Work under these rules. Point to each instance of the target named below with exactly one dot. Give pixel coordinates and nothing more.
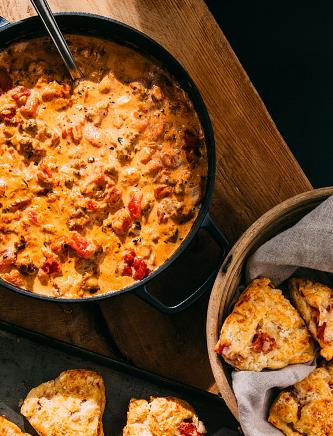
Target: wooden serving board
(255, 171)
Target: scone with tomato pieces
(307, 407)
(72, 405)
(8, 428)
(264, 331)
(162, 416)
(314, 301)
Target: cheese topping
(100, 181)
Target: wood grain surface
(255, 171)
(80, 325)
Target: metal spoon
(45, 13)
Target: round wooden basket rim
(231, 264)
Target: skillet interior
(101, 27)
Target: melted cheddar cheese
(100, 180)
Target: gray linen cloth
(308, 244)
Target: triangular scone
(314, 301)
(264, 331)
(71, 405)
(8, 428)
(162, 416)
(306, 408)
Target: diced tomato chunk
(92, 205)
(33, 217)
(188, 429)
(315, 315)
(80, 245)
(263, 343)
(47, 170)
(134, 205)
(6, 82)
(51, 266)
(20, 94)
(45, 175)
(7, 259)
(134, 264)
(141, 269)
(74, 131)
(7, 112)
(129, 257)
(321, 331)
(127, 271)
(320, 328)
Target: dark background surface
(286, 47)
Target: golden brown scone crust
(314, 301)
(8, 428)
(71, 405)
(307, 407)
(161, 416)
(264, 331)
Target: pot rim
(185, 80)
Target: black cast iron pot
(88, 24)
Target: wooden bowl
(231, 275)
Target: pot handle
(221, 240)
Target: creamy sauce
(100, 181)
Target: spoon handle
(45, 13)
